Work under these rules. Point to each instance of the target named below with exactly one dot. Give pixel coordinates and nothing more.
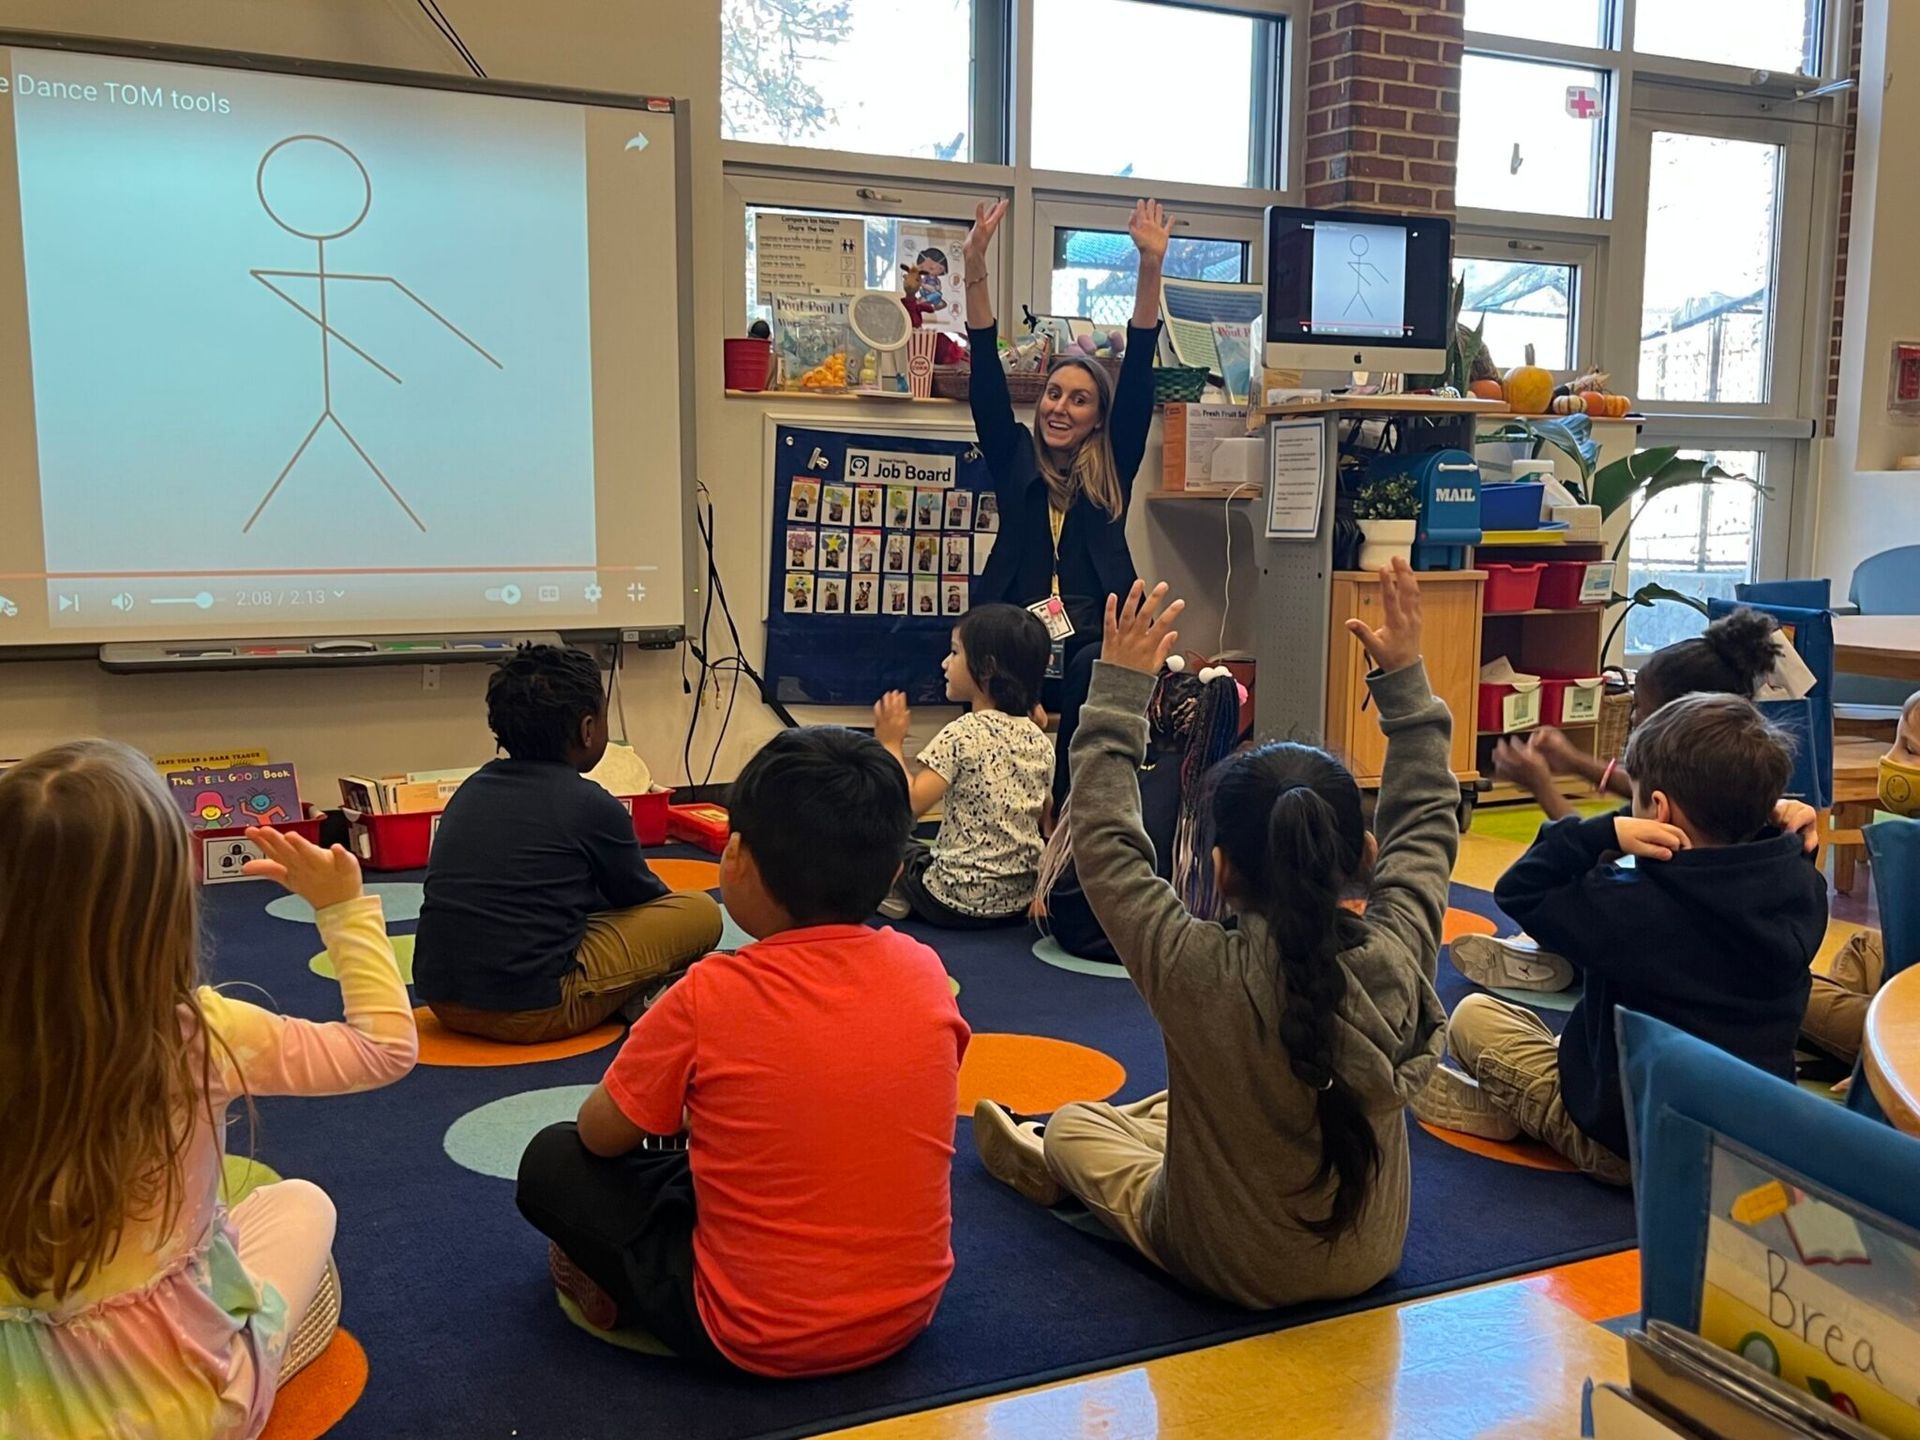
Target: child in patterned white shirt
(993, 767)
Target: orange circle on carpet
(318, 1398)
(1457, 922)
(688, 877)
(1035, 1074)
(441, 1046)
(1525, 1152)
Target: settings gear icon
(593, 592)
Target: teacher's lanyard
(1057, 521)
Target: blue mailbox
(1448, 483)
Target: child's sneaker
(1453, 1100)
(596, 1306)
(1510, 962)
(895, 906)
(1010, 1149)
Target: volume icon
(122, 601)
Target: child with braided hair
(1274, 1168)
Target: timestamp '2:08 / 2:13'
(263, 599)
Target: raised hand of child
(1796, 817)
(1524, 762)
(1649, 839)
(1396, 644)
(319, 877)
(891, 719)
(1554, 747)
(1137, 633)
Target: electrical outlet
(429, 677)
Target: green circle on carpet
(641, 1342)
(1055, 954)
(491, 1139)
(322, 964)
(240, 1176)
(1562, 1000)
(399, 900)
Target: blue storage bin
(1514, 506)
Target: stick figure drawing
(325, 194)
(1365, 273)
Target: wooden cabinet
(1450, 611)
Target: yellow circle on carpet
(318, 1398)
(1457, 922)
(241, 1175)
(322, 964)
(1525, 1151)
(441, 1046)
(689, 877)
(1035, 1074)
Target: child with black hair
(1713, 929)
(1732, 656)
(1273, 1169)
(994, 769)
(804, 1229)
(541, 918)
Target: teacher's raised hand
(987, 216)
(1150, 226)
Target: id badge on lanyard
(1052, 611)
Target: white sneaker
(895, 906)
(1453, 1100)
(1510, 962)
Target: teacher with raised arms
(1063, 486)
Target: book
(209, 759)
(236, 796)
(1618, 1415)
(409, 794)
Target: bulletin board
(876, 542)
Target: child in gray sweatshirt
(1273, 1169)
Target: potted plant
(1387, 509)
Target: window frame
(1585, 256)
(1052, 213)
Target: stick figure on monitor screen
(1359, 245)
(334, 196)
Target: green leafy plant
(1464, 347)
(1387, 497)
(1650, 474)
(1571, 435)
(1647, 596)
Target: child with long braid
(1274, 1167)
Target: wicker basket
(1178, 384)
(1616, 719)
(955, 382)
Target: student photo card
(801, 542)
(836, 505)
(799, 594)
(899, 543)
(835, 546)
(926, 595)
(899, 507)
(986, 512)
(803, 501)
(953, 594)
(866, 595)
(866, 552)
(959, 509)
(982, 550)
(926, 509)
(898, 597)
(832, 596)
(955, 553)
(926, 554)
(869, 503)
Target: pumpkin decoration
(1529, 388)
(1603, 406)
(1487, 390)
(1569, 404)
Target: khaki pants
(1516, 1059)
(1836, 1015)
(1107, 1155)
(622, 951)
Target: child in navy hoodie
(1712, 928)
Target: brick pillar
(1851, 109)
(1383, 104)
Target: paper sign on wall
(818, 254)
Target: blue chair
(1883, 584)
(1799, 594)
(1894, 846)
(1810, 719)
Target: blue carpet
(446, 1288)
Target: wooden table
(1890, 1052)
(1884, 645)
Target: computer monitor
(1351, 290)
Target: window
(887, 77)
(1707, 305)
(1521, 303)
(1093, 58)
(1697, 539)
(1756, 34)
(1569, 22)
(1521, 145)
(1095, 271)
(884, 242)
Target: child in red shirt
(804, 1229)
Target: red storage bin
(702, 824)
(1512, 587)
(1507, 708)
(649, 814)
(219, 854)
(1562, 581)
(393, 842)
(1570, 699)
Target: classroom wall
(383, 719)
(1866, 506)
